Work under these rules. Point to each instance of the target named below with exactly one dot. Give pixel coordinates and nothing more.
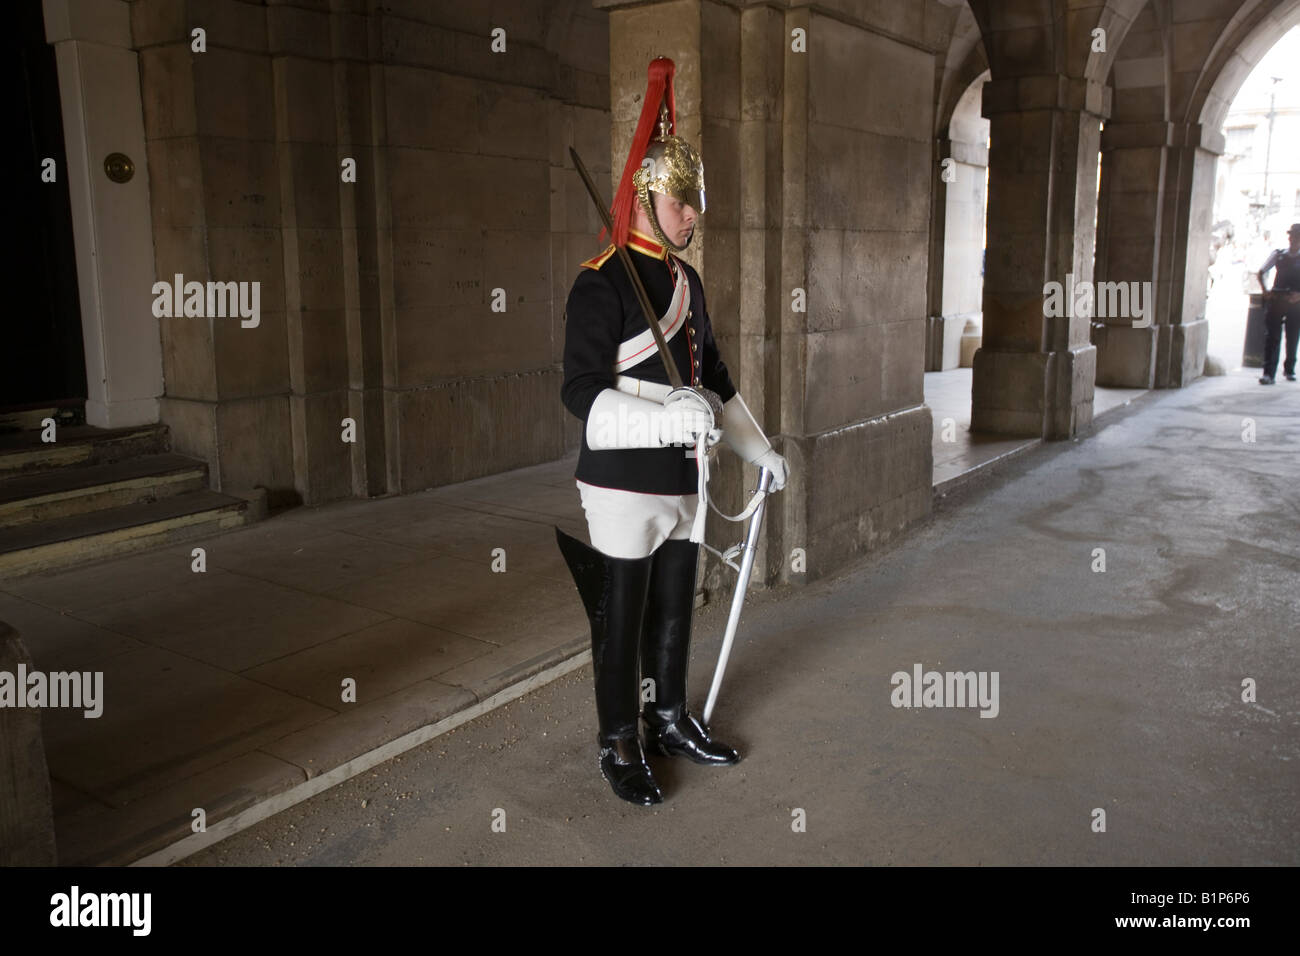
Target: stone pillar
(758, 214)
(322, 315)
(959, 248)
(247, 140)
(26, 803)
(370, 285)
(99, 86)
(1188, 212)
(812, 250)
(1034, 374)
(210, 118)
(730, 113)
(796, 272)
(1129, 245)
(934, 338)
(957, 230)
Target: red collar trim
(644, 244)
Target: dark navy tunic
(1287, 276)
(602, 312)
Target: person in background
(1283, 303)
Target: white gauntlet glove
(619, 420)
(741, 432)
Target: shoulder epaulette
(595, 262)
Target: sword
(674, 377)
(738, 598)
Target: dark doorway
(42, 359)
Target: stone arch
(964, 62)
(1251, 33)
(963, 65)
(1245, 30)
(1039, 37)
(1142, 63)
(961, 210)
(1117, 18)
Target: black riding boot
(665, 652)
(614, 591)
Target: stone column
(321, 280)
(815, 129)
(210, 118)
(956, 250)
(1129, 245)
(26, 801)
(1188, 211)
(246, 140)
(727, 94)
(1034, 374)
(934, 280)
(759, 212)
(99, 86)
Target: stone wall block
(310, 112)
(167, 91)
(432, 344)
(297, 31)
(437, 190)
(438, 267)
(250, 361)
(241, 183)
(233, 95)
(324, 337)
(175, 183)
(327, 469)
(475, 427)
(512, 121)
(266, 462)
(843, 372)
(238, 254)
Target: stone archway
(1161, 150)
(961, 206)
(958, 186)
(1242, 43)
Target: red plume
(660, 84)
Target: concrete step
(63, 492)
(18, 418)
(23, 451)
(64, 542)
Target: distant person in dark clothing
(1283, 303)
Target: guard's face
(676, 218)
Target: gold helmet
(673, 168)
(664, 164)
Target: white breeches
(632, 524)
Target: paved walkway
(959, 452)
(223, 689)
(1119, 691)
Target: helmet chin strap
(647, 203)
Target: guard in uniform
(636, 476)
(1283, 307)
